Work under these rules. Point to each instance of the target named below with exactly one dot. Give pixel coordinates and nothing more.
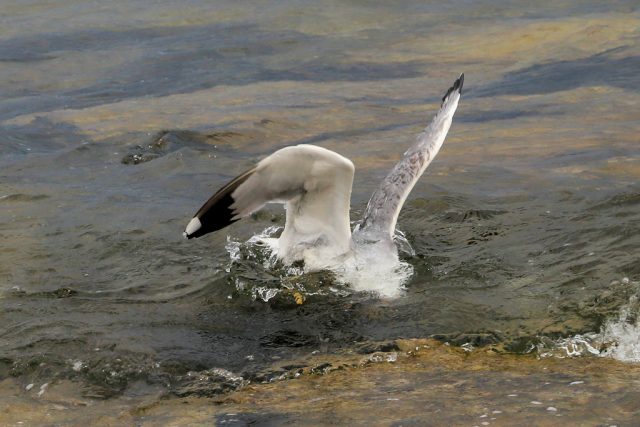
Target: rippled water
(118, 120)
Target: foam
(618, 338)
(370, 267)
(624, 333)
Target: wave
(618, 338)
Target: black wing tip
(459, 83)
(213, 218)
(217, 212)
(193, 235)
(457, 86)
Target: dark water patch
(352, 133)
(287, 338)
(631, 269)
(63, 292)
(194, 71)
(45, 46)
(496, 253)
(174, 60)
(488, 10)
(100, 375)
(222, 39)
(266, 419)
(601, 69)
(204, 324)
(368, 348)
(108, 368)
(19, 105)
(586, 159)
(470, 215)
(25, 57)
(478, 339)
(23, 197)
(167, 141)
(39, 136)
(188, 59)
(495, 115)
(622, 200)
(352, 71)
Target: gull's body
(315, 185)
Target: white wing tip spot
(193, 226)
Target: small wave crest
(624, 332)
(619, 337)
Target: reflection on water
(117, 121)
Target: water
(118, 120)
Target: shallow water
(410, 382)
(119, 120)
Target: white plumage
(315, 185)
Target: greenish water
(118, 120)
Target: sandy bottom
(417, 382)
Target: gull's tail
(385, 203)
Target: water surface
(118, 120)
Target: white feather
(385, 204)
(315, 185)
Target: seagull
(314, 184)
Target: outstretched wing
(317, 179)
(385, 203)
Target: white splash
(228, 375)
(374, 270)
(264, 293)
(624, 333)
(43, 388)
(368, 267)
(575, 346)
(374, 265)
(619, 338)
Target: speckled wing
(385, 203)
